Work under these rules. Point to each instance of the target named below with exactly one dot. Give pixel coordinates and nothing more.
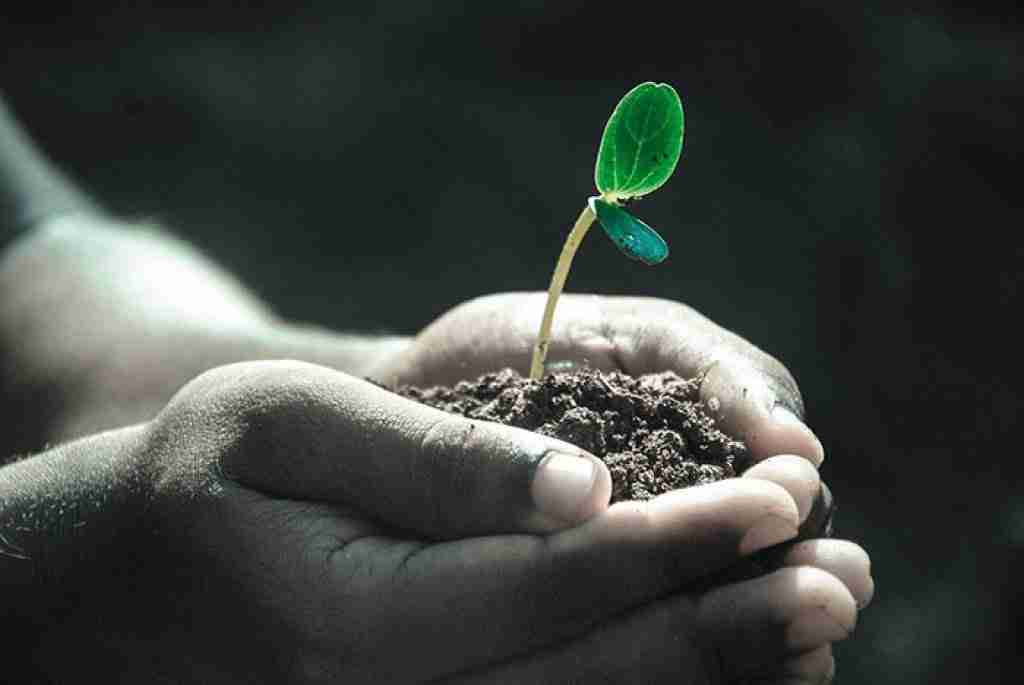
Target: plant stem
(572, 243)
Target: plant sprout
(639, 151)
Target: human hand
(304, 526)
(756, 397)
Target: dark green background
(847, 199)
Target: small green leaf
(636, 239)
(641, 143)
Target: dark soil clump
(653, 431)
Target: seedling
(638, 153)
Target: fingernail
(771, 530)
(814, 628)
(785, 417)
(563, 483)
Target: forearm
(31, 187)
(100, 323)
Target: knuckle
(224, 416)
(782, 384)
(771, 499)
(241, 398)
(816, 588)
(722, 345)
(775, 385)
(447, 433)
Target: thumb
(323, 435)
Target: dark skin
(213, 513)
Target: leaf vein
(639, 140)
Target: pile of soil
(653, 431)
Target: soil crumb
(653, 431)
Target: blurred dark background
(846, 200)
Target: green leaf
(636, 239)
(641, 143)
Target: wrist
(69, 518)
(357, 355)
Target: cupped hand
(754, 396)
(305, 526)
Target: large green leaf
(641, 143)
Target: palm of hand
(328, 594)
(633, 335)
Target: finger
(523, 593)
(818, 523)
(476, 601)
(661, 642)
(746, 405)
(752, 394)
(802, 482)
(313, 433)
(815, 667)
(795, 474)
(782, 614)
(655, 644)
(845, 560)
